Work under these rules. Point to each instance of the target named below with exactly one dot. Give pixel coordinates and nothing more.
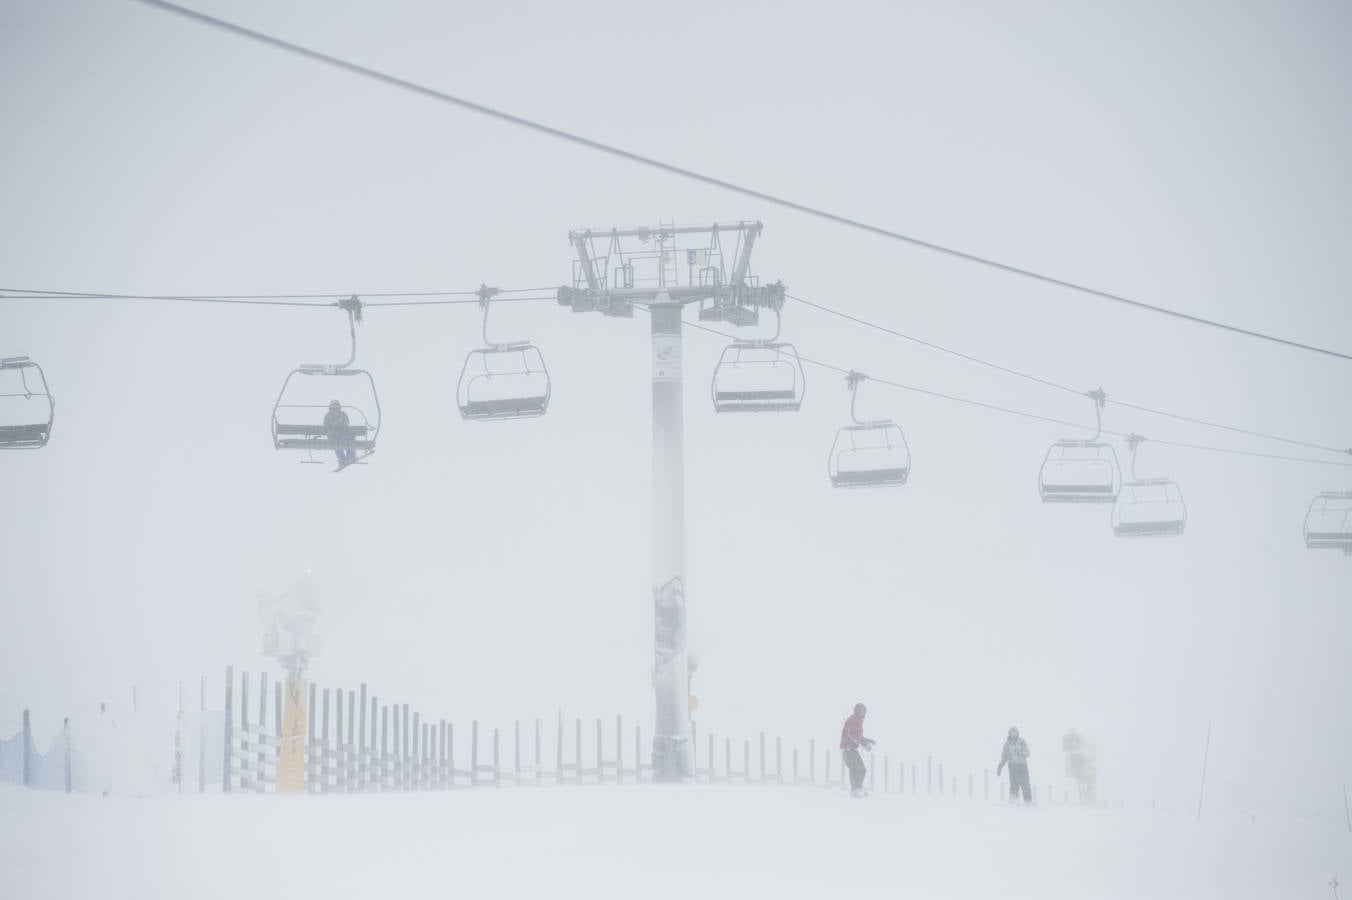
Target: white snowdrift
(643, 842)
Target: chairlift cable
(841, 370)
(451, 298)
(670, 168)
(1058, 386)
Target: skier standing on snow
(851, 739)
(1015, 756)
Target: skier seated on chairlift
(851, 739)
(339, 428)
(1015, 755)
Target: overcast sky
(1190, 155)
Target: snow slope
(643, 842)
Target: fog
(1192, 157)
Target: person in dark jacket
(851, 739)
(1015, 755)
(338, 426)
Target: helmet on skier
(1013, 733)
(860, 709)
(334, 404)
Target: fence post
(353, 754)
(311, 735)
(795, 765)
(395, 768)
(441, 755)
(577, 735)
(244, 725)
(371, 773)
(497, 767)
(65, 730)
(327, 750)
(474, 753)
(413, 751)
(27, 749)
(262, 701)
(202, 739)
(407, 773)
(361, 741)
(178, 741)
(262, 728)
(340, 756)
(913, 791)
(384, 747)
(229, 724)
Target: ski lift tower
(664, 269)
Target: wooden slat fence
(357, 744)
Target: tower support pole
(671, 676)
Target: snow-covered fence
(357, 744)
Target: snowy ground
(643, 842)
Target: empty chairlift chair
(870, 453)
(26, 405)
(502, 381)
(759, 376)
(1148, 507)
(303, 402)
(1081, 471)
(1328, 523)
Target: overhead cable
(1056, 385)
(994, 407)
(670, 168)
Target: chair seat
(317, 430)
(23, 435)
(1148, 529)
(322, 442)
(504, 408)
(869, 477)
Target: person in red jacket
(851, 739)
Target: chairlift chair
(871, 453)
(1148, 507)
(759, 376)
(1328, 522)
(298, 423)
(33, 427)
(1081, 471)
(502, 381)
